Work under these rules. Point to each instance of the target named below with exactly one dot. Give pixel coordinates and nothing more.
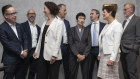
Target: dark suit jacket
(27, 30)
(130, 41)
(11, 44)
(101, 26)
(67, 25)
(80, 46)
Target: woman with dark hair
(80, 44)
(48, 48)
(109, 43)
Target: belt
(65, 44)
(95, 47)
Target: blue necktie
(94, 35)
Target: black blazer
(77, 45)
(27, 30)
(11, 44)
(101, 26)
(130, 41)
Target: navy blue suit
(65, 51)
(30, 61)
(12, 48)
(94, 52)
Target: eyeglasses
(31, 13)
(14, 13)
(126, 9)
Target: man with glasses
(14, 45)
(130, 42)
(32, 31)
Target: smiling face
(81, 20)
(31, 15)
(46, 11)
(10, 15)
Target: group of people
(40, 50)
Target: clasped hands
(80, 57)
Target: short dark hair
(97, 12)
(52, 7)
(110, 8)
(4, 8)
(60, 5)
(80, 14)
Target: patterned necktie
(94, 35)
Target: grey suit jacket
(130, 40)
(80, 46)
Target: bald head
(31, 15)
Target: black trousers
(45, 70)
(65, 58)
(94, 54)
(128, 61)
(15, 70)
(74, 66)
(31, 64)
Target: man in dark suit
(130, 42)
(64, 46)
(80, 44)
(95, 32)
(32, 31)
(14, 45)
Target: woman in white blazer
(48, 48)
(109, 43)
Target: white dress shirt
(34, 34)
(97, 31)
(127, 21)
(65, 39)
(13, 28)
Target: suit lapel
(51, 25)
(129, 24)
(77, 31)
(10, 30)
(28, 29)
(18, 31)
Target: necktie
(94, 35)
(124, 23)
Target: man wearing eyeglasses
(130, 42)
(32, 31)
(14, 45)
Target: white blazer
(109, 39)
(52, 42)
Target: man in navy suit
(64, 46)
(96, 27)
(14, 45)
(32, 31)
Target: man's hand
(80, 57)
(24, 54)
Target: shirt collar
(59, 18)
(97, 22)
(31, 23)
(130, 17)
(10, 24)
